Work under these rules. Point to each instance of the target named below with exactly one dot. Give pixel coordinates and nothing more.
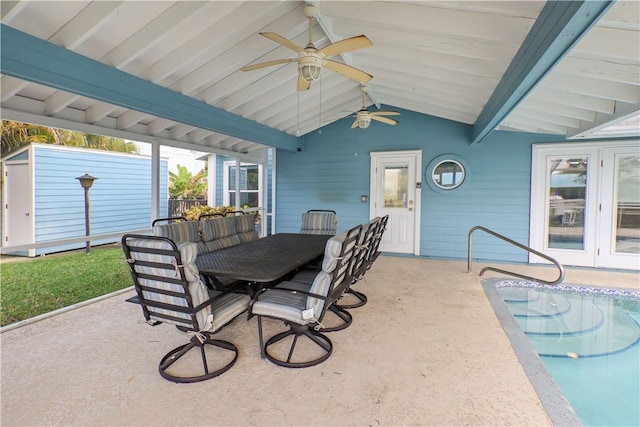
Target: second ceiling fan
(311, 60)
(364, 116)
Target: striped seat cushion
(319, 223)
(179, 232)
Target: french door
(393, 191)
(585, 204)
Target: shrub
(194, 213)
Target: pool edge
(558, 408)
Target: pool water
(589, 340)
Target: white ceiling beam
(129, 119)
(465, 47)
(180, 130)
(622, 111)
(431, 20)
(233, 58)
(226, 34)
(85, 24)
(195, 46)
(437, 110)
(525, 113)
(563, 97)
(11, 9)
(427, 73)
(536, 126)
(158, 125)
(9, 86)
(154, 33)
(197, 135)
(98, 111)
(610, 43)
(611, 70)
(58, 102)
(550, 106)
(594, 87)
(463, 109)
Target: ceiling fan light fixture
(364, 122)
(310, 67)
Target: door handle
(410, 209)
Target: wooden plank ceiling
(442, 58)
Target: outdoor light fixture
(364, 198)
(86, 181)
(310, 67)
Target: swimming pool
(587, 338)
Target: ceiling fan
(364, 116)
(311, 60)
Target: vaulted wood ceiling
(442, 58)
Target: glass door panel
(567, 195)
(396, 185)
(627, 204)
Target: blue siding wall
(120, 199)
(332, 172)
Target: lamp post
(86, 181)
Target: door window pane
(396, 184)
(627, 226)
(567, 191)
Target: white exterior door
(18, 206)
(394, 177)
(585, 204)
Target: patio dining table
(264, 260)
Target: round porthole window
(448, 174)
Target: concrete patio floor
(427, 349)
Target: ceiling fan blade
(354, 125)
(346, 45)
(303, 84)
(384, 120)
(267, 64)
(384, 113)
(283, 41)
(348, 71)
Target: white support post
(155, 181)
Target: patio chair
(360, 262)
(169, 290)
(319, 221)
(303, 308)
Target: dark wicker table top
(263, 260)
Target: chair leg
(299, 331)
(342, 314)
(361, 300)
(177, 353)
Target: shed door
(18, 195)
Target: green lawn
(44, 284)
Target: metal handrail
(521, 246)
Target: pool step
(571, 325)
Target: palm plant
(183, 184)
